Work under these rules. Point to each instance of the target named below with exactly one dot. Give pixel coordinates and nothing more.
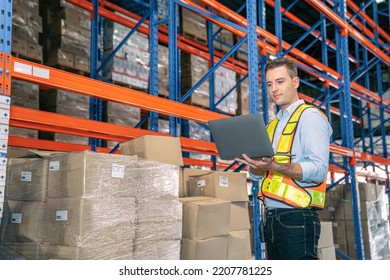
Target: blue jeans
(292, 234)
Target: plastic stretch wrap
(27, 179)
(89, 174)
(89, 221)
(100, 206)
(159, 213)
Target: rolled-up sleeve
(315, 132)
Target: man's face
(281, 87)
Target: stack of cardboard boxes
(91, 206)
(373, 217)
(215, 217)
(66, 35)
(26, 28)
(65, 103)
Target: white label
(4, 129)
(16, 218)
(3, 145)
(41, 72)
(22, 68)
(2, 190)
(5, 102)
(3, 163)
(1, 209)
(62, 215)
(224, 181)
(201, 183)
(118, 171)
(25, 176)
(4, 116)
(54, 165)
(2, 177)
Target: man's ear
(296, 82)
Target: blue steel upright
(347, 110)
(153, 60)
(253, 74)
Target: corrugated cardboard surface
(158, 148)
(223, 185)
(214, 248)
(203, 219)
(239, 246)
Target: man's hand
(264, 163)
(260, 166)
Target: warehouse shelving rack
(338, 84)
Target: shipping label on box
(54, 165)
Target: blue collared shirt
(310, 147)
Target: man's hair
(278, 62)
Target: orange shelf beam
(44, 75)
(356, 9)
(47, 121)
(332, 16)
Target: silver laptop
(239, 135)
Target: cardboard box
(239, 216)
(89, 174)
(89, 221)
(186, 173)
(121, 250)
(327, 253)
(214, 248)
(25, 221)
(19, 250)
(27, 179)
(203, 219)
(223, 185)
(239, 245)
(326, 236)
(163, 149)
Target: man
(293, 182)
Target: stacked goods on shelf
(215, 217)
(243, 108)
(193, 69)
(130, 64)
(225, 80)
(223, 39)
(373, 215)
(24, 94)
(66, 35)
(91, 206)
(26, 27)
(65, 103)
(193, 25)
(120, 114)
(198, 132)
(163, 71)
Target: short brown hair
(278, 62)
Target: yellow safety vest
(280, 187)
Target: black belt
(276, 211)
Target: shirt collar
(290, 109)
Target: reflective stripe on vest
(280, 187)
